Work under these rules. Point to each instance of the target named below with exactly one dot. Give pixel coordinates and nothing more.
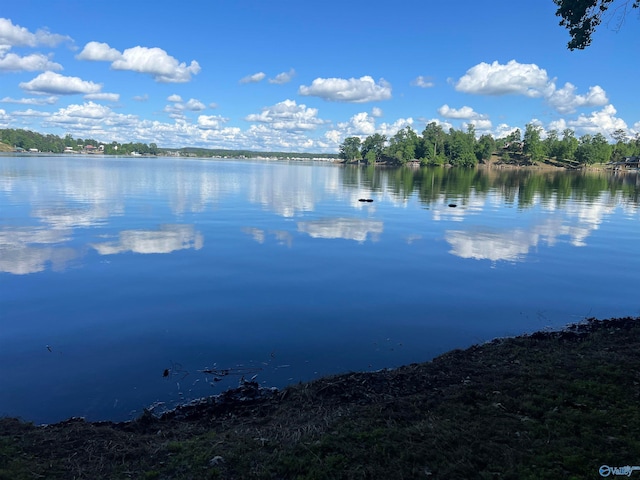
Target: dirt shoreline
(553, 404)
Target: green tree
(485, 146)
(350, 149)
(533, 146)
(433, 139)
(402, 146)
(552, 144)
(460, 148)
(582, 17)
(373, 143)
(568, 145)
(593, 149)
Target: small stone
(217, 460)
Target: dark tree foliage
(582, 17)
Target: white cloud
(31, 101)
(355, 90)
(194, 105)
(17, 36)
(461, 113)
(106, 97)
(157, 63)
(498, 79)
(141, 98)
(603, 121)
(87, 110)
(152, 61)
(30, 63)
(390, 129)
(255, 78)
(529, 80)
(503, 130)
(54, 83)
(30, 113)
(174, 98)
(423, 82)
(211, 121)
(284, 77)
(444, 124)
(361, 124)
(287, 115)
(99, 52)
(565, 99)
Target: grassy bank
(548, 405)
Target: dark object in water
(453, 205)
(365, 199)
(165, 373)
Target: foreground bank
(547, 405)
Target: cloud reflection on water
(347, 228)
(167, 239)
(26, 250)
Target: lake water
(123, 281)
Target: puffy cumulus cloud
(566, 100)
(603, 121)
(88, 110)
(360, 125)
(97, 121)
(156, 62)
(54, 83)
(465, 112)
(481, 125)
(255, 78)
(390, 129)
(376, 112)
(31, 101)
(282, 78)
(30, 63)
(194, 105)
(105, 97)
(443, 123)
(99, 52)
(179, 106)
(422, 82)
(498, 79)
(288, 115)
(211, 121)
(353, 90)
(152, 61)
(503, 130)
(529, 80)
(17, 36)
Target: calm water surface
(121, 280)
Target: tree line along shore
(434, 146)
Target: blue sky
(302, 76)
